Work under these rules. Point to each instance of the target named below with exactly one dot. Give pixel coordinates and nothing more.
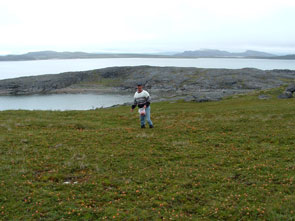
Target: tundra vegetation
(226, 160)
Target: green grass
(227, 160)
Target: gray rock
(200, 100)
(264, 97)
(189, 98)
(285, 95)
(291, 88)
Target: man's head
(139, 88)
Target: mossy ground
(227, 160)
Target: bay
(61, 101)
(13, 69)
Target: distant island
(207, 53)
(290, 56)
(219, 53)
(47, 55)
(211, 53)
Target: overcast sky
(146, 26)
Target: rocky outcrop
(291, 88)
(42, 84)
(163, 82)
(264, 97)
(285, 95)
(288, 93)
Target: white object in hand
(141, 111)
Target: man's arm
(148, 101)
(134, 104)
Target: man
(142, 100)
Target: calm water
(61, 101)
(14, 69)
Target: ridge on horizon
(223, 53)
(171, 52)
(206, 53)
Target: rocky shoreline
(164, 83)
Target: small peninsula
(199, 84)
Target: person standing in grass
(142, 99)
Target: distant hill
(207, 53)
(290, 56)
(219, 53)
(45, 55)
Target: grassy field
(227, 160)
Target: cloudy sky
(146, 26)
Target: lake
(61, 101)
(12, 69)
